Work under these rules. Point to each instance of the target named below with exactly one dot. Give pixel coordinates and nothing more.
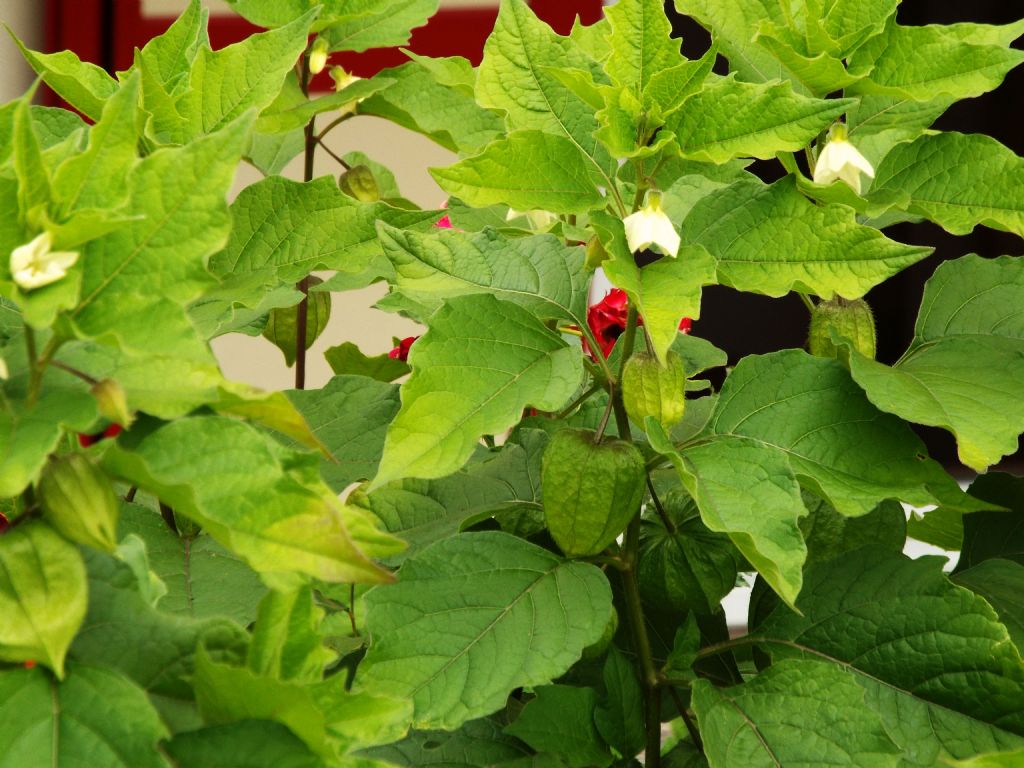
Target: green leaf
(964, 369)
(42, 595)
(96, 178)
(227, 83)
(539, 273)
(797, 712)
(994, 534)
(528, 170)
(685, 567)
(286, 642)
(830, 534)
(923, 63)
(747, 490)
(1001, 583)
(560, 720)
(29, 433)
(507, 590)
(514, 77)
(482, 361)
(991, 760)
(281, 121)
(123, 631)
(734, 24)
(505, 485)
(770, 239)
(348, 359)
(262, 501)
(477, 743)
(203, 579)
(866, 611)
(878, 123)
(805, 407)
(245, 744)
(169, 57)
(275, 13)
(663, 292)
(356, 441)
(620, 718)
(176, 226)
(641, 47)
(83, 85)
(376, 23)
(958, 181)
(730, 118)
(282, 230)
(95, 717)
(326, 717)
(418, 101)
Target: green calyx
(282, 322)
(78, 500)
(650, 389)
(851, 320)
(358, 182)
(590, 490)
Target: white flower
(841, 160)
(318, 56)
(34, 265)
(651, 228)
(343, 79)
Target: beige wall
(255, 360)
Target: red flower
(86, 440)
(401, 352)
(5, 523)
(444, 222)
(607, 320)
(29, 664)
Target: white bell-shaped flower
(34, 265)
(841, 160)
(650, 227)
(318, 56)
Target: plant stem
(302, 313)
(631, 588)
(669, 525)
(330, 152)
(75, 372)
(806, 300)
(578, 401)
(333, 124)
(352, 609)
(691, 727)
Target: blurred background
(106, 32)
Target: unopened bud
(111, 402)
(318, 56)
(78, 500)
(358, 182)
(849, 319)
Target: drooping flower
(650, 227)
(343, 79)
(34, 264)
(401, 352)
(841, 160)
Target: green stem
(628, 339)
(579, 401)
(807, 301)
(330, 152)
(669, 526)
(691, 727)
(75, 372)
(595, 348)
(333, 124)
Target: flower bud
(850, 319)
(650, 389)
(358, 182)
(78, 500)
(111, 402)
(318, 56)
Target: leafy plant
(517, 555)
